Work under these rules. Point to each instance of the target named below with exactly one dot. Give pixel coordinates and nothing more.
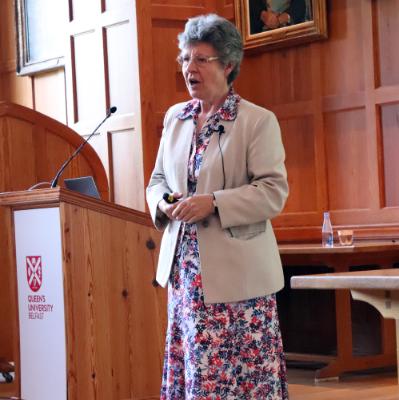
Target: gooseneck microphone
(79, 149)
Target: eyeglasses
(198, 60)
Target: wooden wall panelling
(17, 89)
(102, 71)
(342, 60)
(49, 94)
(225, 8)
(322, 194)
(278, 80)
(348, 167)
(150, 136)
(390, 145)
(299, 137)
(166, 72)
(305, 144)
(387, 96)
(386, 15)
(349, 92)
(175, 11)
(373, 137)
(7, 48)
(341, 97)
(344, 129)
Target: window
(41, 27)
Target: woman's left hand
(193, 209)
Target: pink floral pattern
(225, 350)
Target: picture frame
(40, 29)
(272, 24)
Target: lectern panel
(41, 304)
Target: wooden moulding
(52, 197)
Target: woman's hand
(168, 208)
(284, 19)
(270, 19)
(193, 209)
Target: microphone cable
(220, 133)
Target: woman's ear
(227, 69)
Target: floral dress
(225, 350)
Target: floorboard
(375, 385)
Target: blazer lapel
(182, 147)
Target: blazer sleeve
(157, 185)
(265, 195)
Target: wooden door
(102, 71)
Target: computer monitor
(84, 185)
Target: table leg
(343, 318)
(387, 303)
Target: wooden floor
(370, 386)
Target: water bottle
(327, 236)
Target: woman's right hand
(167, 208)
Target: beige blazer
(238, 250)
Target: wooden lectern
(32, 148)
(91, 324)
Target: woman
(222, 158)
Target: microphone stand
(78, 150)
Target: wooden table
(380, 288)
(381, 254)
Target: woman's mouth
(193, 82)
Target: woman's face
(205, 76)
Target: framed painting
(269, 24)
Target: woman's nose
(191, 65)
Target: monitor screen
(84, 185)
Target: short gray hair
(218, 32)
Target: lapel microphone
(78, 150)
(221, 130)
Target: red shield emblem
(34, 272)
